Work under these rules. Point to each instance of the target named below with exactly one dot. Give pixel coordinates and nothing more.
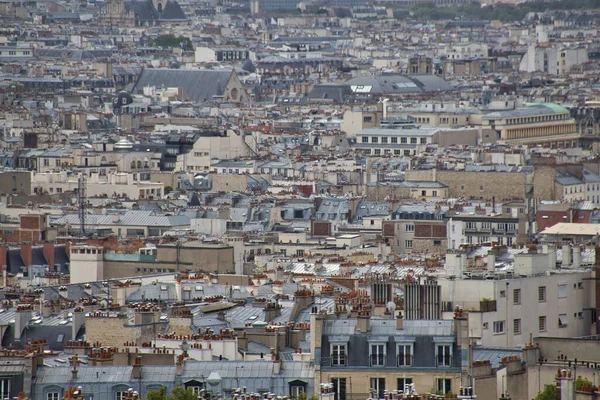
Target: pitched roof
(200, 85)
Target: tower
(87, 264)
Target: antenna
(81, 198)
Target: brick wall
(110, 331)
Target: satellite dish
(391, 306)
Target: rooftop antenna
(81, 198)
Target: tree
(549, 393)
(178, 393)
(168, 189)
(170, 41)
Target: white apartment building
(113, 183)
(405, 141)
(535, 299)
(556, 60)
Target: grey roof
(199, 85)
(567, 179)
(494, 354)
(129, 218)
(530, 111)
(398, 84)
(387, 327)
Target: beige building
(547, 124)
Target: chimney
(491, 261)
(576, 256)
(75, 364)
(566, 256)
(276, 366)
(78, 322)
(26, 253)
(552, 255)
(49, 253)
(136, 372)
(363, 321)
(22, 317)
(3, 254)
(316, 327)
(400, 321)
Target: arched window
(139, 164)
(159, 7)
(132, 164)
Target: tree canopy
(170, 40)
(178, 393)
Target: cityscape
(299, 200)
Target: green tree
(170, 41)
(168, 189)
(549, 393)
(178, 393)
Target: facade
(364, 357)
(408, 140)
(549, 125)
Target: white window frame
(541, 294)
(405, 362)
(120, 395)
(341, 358)
(296, 390)
(441, 385)
(542, 327)
(562, 289)
(408, 244)
(517, 326)
(499, 327)
(446, 351)
(374, 387)
(53, 396)
(377, 349)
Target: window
(498, 326)
(434, 193)
(403, 140)
(541, 294)
(296, 390)
(413, 140)
(517, 326)
(384, 140)
(444, 355)
(409, 228)
(338, 354)
(404, 356)
(377, 355)
(394, 140)
(120, 395)
(423, 192)
(562, 320)
(377, 151)
(377, 388)
(517, 296)
(542, 323)
(374, 139)
(471, 225)
(339, 388)
(367, 119)
(562, 291)
(365, 139)
(437, 242)
(404, 385)
(408, 244)
(53, 396)
(444, 385)
(423, 140)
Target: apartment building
(503, 228)
(407, 140)
(533, 298)
(365, 357)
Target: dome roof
(123, 144)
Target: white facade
(552, 305)
(98, 185)
(205, 55)
(553, 60)
(86, 264)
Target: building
(407, 140)
(363, 356)
(546, 124)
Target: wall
(15, 182)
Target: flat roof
(567, 228)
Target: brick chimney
(49, 253)
(26, 253)
(3, 255)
